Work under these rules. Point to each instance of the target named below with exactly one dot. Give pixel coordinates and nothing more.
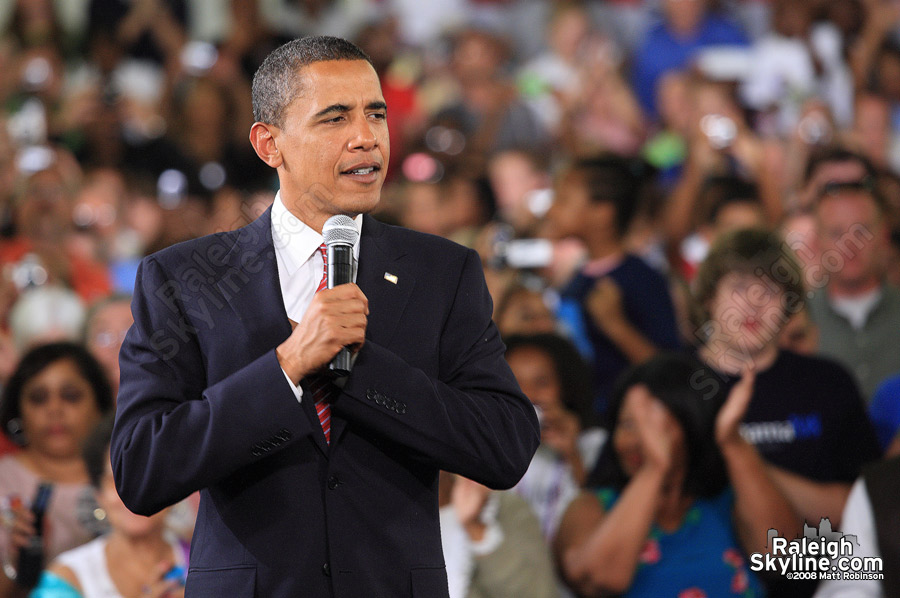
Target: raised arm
(812, 500)
(759, 504)
(604, 305)
(598, 551)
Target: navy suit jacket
(204, 405)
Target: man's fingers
(339, 321)
(344, 293)
(336, 318)
(346, 307)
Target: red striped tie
(320, 385)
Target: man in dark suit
(212, 371)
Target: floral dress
(701, 559)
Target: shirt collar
(602, 266)
(294, 241)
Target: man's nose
(365, 138)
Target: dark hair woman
(56, 396)
(683, 496)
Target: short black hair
(668, 377)
(573, 373)
(95, 451)
(38, 359)
(837, 154)
(277, 82)
(867, 186)
(626, 183)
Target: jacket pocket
(215, 583)
(429, 583)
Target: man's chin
(362, 205)
(861, 282)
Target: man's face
(852, 239)
(334, 142)
(45, 210)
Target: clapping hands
(732, 412)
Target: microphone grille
(340, 230)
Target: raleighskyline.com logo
(818, 554)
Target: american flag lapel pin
(391, 278)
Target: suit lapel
(249, 283)
(386, 282)
(251, 286)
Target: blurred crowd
(688, 213)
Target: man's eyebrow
(332, 109)
(341, 108)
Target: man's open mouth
(362, 170)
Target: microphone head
(340, 230)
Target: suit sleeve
(173, 434)
(471, 419)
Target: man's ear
(262, 138)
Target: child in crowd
(617, 308)
(806, 417)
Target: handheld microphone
(340, 235)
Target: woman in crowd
(137, 558)
(553, 375)
(54, 399)
(681, 497)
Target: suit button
(333, 482)
(326, 570)
(371, 394)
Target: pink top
(69, 522)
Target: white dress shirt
(300, 263)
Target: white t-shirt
(88, 563)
